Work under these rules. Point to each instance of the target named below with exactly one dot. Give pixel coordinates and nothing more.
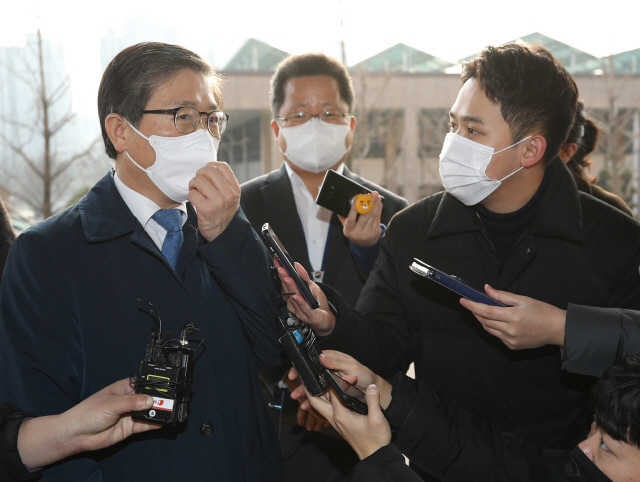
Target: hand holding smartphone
(277, 248)
(338, 192)
(352, 396)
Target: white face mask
(177, 160)
(315, 146)
(463, 166)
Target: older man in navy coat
(70, 323)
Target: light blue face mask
(463, 168)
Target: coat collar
(106, 216)
(559, 213)
(104, 213)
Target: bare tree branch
(24, 193)
(60, 123)
(20, 151)
(63, 166)
(59, 92)
(14, 122)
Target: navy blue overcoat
(70, 325)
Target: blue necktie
(171, 220)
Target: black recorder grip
(303, 351)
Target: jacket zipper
(495, 251)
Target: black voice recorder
(166, 374)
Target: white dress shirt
(315, 221)
(143, 208)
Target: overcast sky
(449, 30)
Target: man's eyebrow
(469, 118)
(188, 103)
(304, 104)
(477, 120)
(611, 442)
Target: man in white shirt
(312, 102)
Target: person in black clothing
(580, 144)
(512, 217)
(456, 445)
(7, 235)
(312, 102)
(103, 419)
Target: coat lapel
(285, 222)
(105, 216)
(338, 248)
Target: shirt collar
(141, 206)
(297, 182)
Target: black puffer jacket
(11, 467)
(598, 338)
(576, 249)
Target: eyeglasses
(299, 118)
(187, 119)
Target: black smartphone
(337, 193)
(285, 259)
(351, 395)
(453, 283)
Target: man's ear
(534, 152)
(115, 125)
(352, 123)
(275, 128)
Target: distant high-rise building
(26, 77)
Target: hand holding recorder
(298, 339)
(99, 421)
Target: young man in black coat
(512, 217)
(311, 100)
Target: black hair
(133, 76)
(616, 401)
(309, 65)
(534, 91)
(583, 134)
